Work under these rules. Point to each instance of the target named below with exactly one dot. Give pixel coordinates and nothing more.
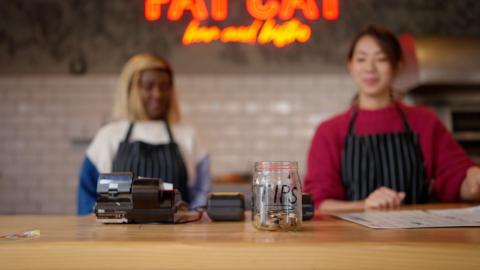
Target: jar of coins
(277, 196)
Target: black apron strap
(351, 125)
(129, 132)
(404, 118)
(353, 116)
(170, 134)
(130, 128)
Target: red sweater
(445, 161)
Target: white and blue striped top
(101, 152)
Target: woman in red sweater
(381, 153)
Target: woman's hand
(384, 198)
(470, 190)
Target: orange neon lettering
(219, 9)
(330, 9)
(285, 34)
(261, 11)
(309, 8)
(200, 34)
(262, 32)
(243, 34)
(197, 7)
(153, 9)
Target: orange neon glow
(280, 35)
(284, 34)
(197, 7)
(243, 34)
(330, 9)
(261, 11)
(258, 9)
(263, 30)
(219, 9)
(200, 34)
(308, 7)
(153, 9)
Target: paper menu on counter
(409, 219)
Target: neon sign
(264, 29)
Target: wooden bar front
(69, 242)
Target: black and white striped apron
(392, 160)
(162, 161)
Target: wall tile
(240, 119)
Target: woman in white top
(146, 138)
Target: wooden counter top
(69, 242)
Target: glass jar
(277, 196)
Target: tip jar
(277, 196)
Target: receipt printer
(121, 198)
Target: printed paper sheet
(406, 219)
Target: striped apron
(392, 160)
(162, 161)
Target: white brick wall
(240, 119)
